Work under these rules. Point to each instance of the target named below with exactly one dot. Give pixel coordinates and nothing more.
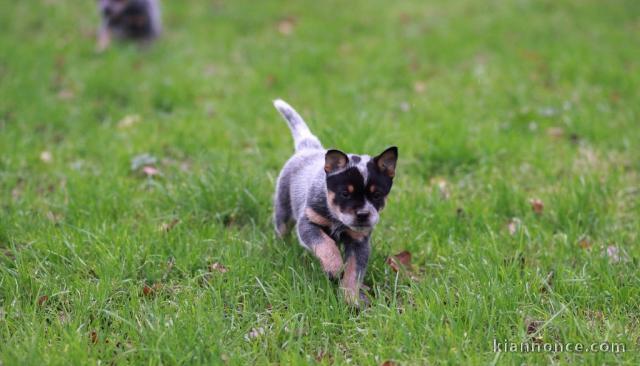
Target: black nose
(362, 215)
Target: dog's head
(357, 186)
(116, 8)
(112, 8)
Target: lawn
(136, 184)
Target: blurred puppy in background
(137, 20)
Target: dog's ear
(386, 162)
(335, 160)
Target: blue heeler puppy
(332, 198)
(137, 20)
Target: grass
(492, 104)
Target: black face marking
(355, 159)
(133, 19)
(350, 191)
(378, 186)
(347, 200)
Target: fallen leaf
(389, 363)
(217, 267)
(46, 157)
(42, 300)
(402, 259)
(129, 121)
(514, 225)
(286, 26)
(151, 290)
(253, 334)
(167, 226)
(93, 337)
(585, 242)
(536, 205)
(533, 327)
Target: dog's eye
(345, 194)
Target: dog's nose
(362, 215)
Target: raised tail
(302, 136)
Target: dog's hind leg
(282, 214)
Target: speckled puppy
(332, 198)
(137, 20)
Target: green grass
(503, 101)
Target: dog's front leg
(321, 245)
(357, 251)
(104, 38)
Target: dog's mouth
(361, 228)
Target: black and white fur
(332, 198)
(137, 20)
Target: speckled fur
(303, 199)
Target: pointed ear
(335, 160)
(386, 162)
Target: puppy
(332, 198)
(137, 20)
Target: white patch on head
(362, 166)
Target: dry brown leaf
(389, 363)
(536, 205)
(217, 267)
(151, 290)
(419, 87)
(93, 337)
(585, 243)
(42, 300)
(533, 327)
(402, 259)
(167, 226)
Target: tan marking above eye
(350, 188)
(372, 188)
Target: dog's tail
(302, 136)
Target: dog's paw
(356, 298)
